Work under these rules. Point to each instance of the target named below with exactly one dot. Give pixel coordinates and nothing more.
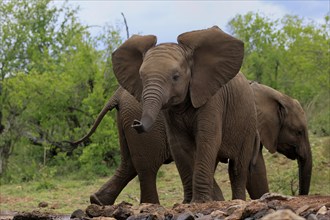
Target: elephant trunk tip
(138, 126)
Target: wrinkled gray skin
(206, 113)
(141, 154)
(282, 126)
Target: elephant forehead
(295, 111)
(168, 51)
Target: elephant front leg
(148, 187)
(208, 142)
(203, 181)
(184, 163)
(182, 150)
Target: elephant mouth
(289, 150)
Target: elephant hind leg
(109, 192)
(257, 183)
(238, 177)
(126, 171)
(217, 193)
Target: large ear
(127, 60)
(272, 111)
(217, 58)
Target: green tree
(55, 78)
(31, 41)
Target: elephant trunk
(151, 106)
(305, 170)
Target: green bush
(318, 111)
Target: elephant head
(282, 126)
(174, 74)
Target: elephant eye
(175, 77)
(299, 133)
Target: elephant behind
(282, 126)
(141, 154)
(137, 158)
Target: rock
(273, 196)
(302, 209)
(104, 218)
(186, 216)
(269, 211)
(155, 209)
(218, 214)
(322, 211)
(254, 207)
(42, 204)
(230, 210)
(33, 215)
(168, 216)
(261, 214)
(274, 204)
(311, 217)
(236, 214)
(107, 211)
(78, 214)
(123, 211)
(325, 216)
(207, 217)
(285, 214)
(94, 210)
(143, 216)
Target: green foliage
(321, 164)
(289, 54)
(103, 153)
(45, 177)
(283, 173)
(23, 165)
(55, 78)
(284, 178)
(33, 35)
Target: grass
(66, 195)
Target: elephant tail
(112, 103)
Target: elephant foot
(201, 199)
(95, 200)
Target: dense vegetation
(56, 77)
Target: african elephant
(141, 154)
(134, 160)
(208, 106)
(282, 126)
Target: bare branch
(125, 22)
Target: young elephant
(141, 154)
(282, 126)
(208, 106)
(137, 158)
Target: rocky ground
(269, 207)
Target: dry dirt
(269, 207)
